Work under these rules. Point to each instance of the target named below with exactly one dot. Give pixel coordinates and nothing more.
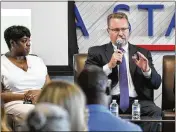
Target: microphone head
(119, 44)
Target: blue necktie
(123, 83)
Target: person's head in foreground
(47, 117)
(93, 82)
(70, 97)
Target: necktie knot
(122, 49)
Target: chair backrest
(168, 77)
(78, 64)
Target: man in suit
(129, 67)
(93, 82)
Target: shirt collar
(97, 108)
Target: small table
(144, 119)
(128, 117)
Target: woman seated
(70, 97)
(22, 75)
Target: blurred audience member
(93, 82)
(22, 75)
(4, 125)
(70, 97)
(47, 117)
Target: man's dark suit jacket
(101, 55)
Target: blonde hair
(70, 97)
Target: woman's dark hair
(15, 33)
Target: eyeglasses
(118, 29)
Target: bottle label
(114, 109)
(136, 108)
(136, 113)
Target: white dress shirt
(116, 89)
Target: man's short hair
(92, 80)
(118, 15)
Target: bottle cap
(136, 100)
(113, 100)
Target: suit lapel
(132, 65)
(109, 51)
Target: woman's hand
(32, 95)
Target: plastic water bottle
(136, 110)
(114, 108)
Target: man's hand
(116, 57)
(32, 95)
(142, 62)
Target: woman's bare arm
(9, 96)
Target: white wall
(10, 17)
(49, 28)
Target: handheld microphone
(118, 45)
(108, 88)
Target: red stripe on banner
(158, 47)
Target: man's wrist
(109, 65)
(106, 69)
(147, 74)
(147, 70)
